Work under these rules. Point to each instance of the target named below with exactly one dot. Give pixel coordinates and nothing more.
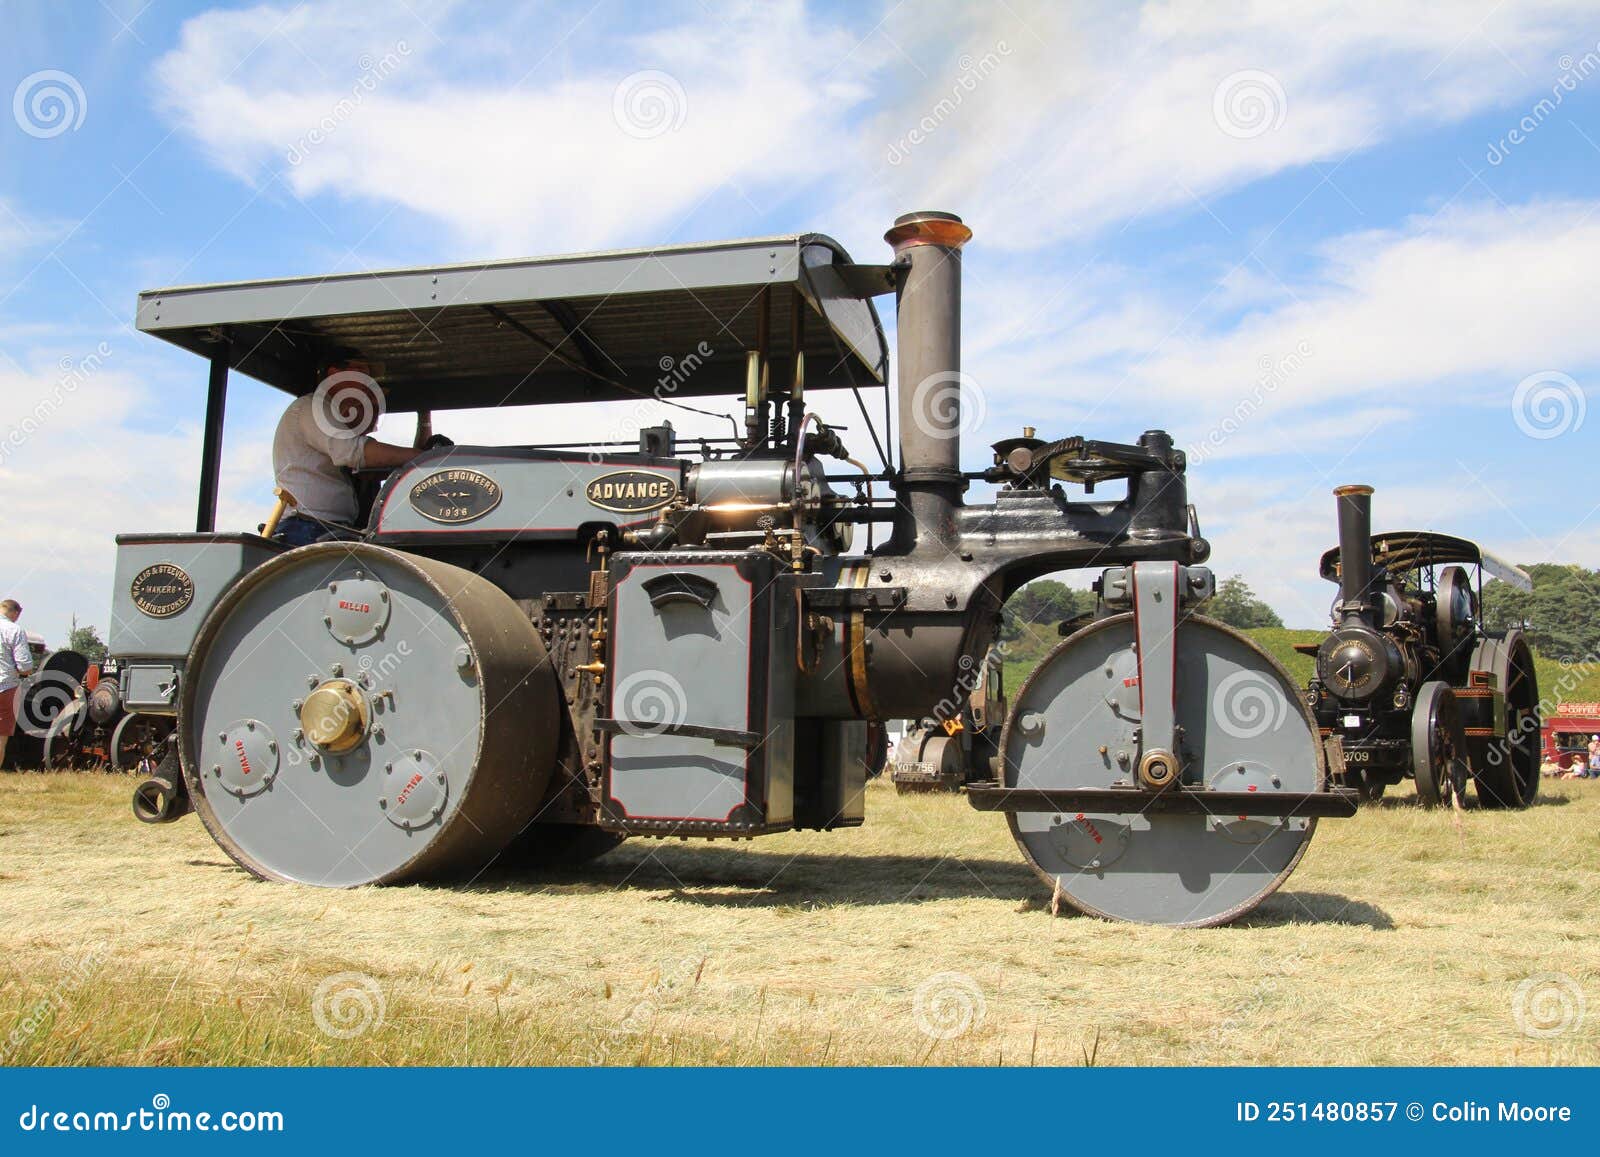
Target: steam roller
(355, 715)
(523, 655)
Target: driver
(324, 434)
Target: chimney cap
(927, 227)
(1352, 490)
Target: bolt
(337, 669)
(885, 574)
(377, 733)
(1094, 863)
(296, 705)
(222, 737)
(250, 724)
(272, 746)
(1276, 782)
(950, 598)
(384, 804)
(311, 680)
(297, 735)
(216, 769)
(388, 769)
(333, 588)
(327, 620)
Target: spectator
(16, 664)
(1594, 754)
(1579, 768)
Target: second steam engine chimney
(928, 328)
(1355, 549)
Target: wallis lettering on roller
(630, 491)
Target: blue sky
(1276, 230)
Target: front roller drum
(1242, 727)
(356, 715)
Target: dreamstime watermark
(347, 402)
(41, 699)
(973, 72)
(1274, 373)
(1527, 727)
(74, 373)
(374, 71)
(1548, 404)
(948, 1005)
(671, 985)
(674, 373)
(348, 1004)
(1573, 73)
(371, 674)
(651, 702)
(41, 1014)
(1548, 1004)
(649, 104)
(1249, 103)
(48, 103)
(948, 404)
(1247, 705)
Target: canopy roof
(1400, 551)
(674, 320)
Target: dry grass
(1401, 940)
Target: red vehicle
(1567, 731)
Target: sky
(1319, 243)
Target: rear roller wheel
(1438, 747)
(1505, 767)
(1245, 727)
(355, 715)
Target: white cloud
(1091, 118)
(551, 156)
(1472, 300)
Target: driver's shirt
(307, 455)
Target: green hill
(1559, 682)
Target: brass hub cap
(335, 716)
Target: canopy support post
(205, 519)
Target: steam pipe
(927, 248)
(1355, 548)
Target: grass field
(1405, 937)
